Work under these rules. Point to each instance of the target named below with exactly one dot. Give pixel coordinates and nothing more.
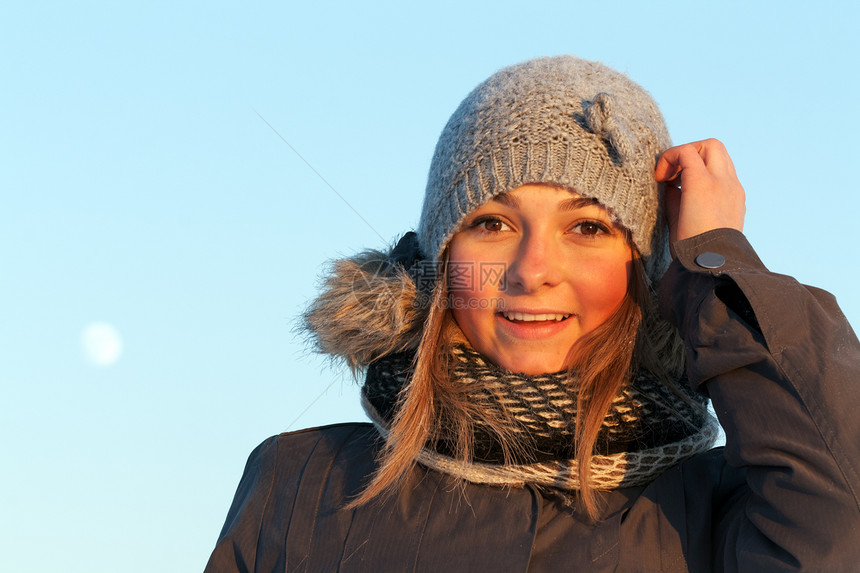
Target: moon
(101, 343)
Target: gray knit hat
(565, 121)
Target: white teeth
(525, 317)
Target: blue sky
(140, 188)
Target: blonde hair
(433, 408)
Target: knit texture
(647, 429)
(563, 121)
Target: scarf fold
(648, 428)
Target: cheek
(468, 321)
(469, 304)
(464, 270)
(603, 288)
(471, 289)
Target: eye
(490, 224)
(591, 228)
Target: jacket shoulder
(290, 479)
(328, 434)
(282, 454)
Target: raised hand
(702, 189)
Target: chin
(534, 366)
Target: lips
(535, 317)
(539, 324)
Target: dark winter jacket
(780, 363)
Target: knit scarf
(648, 428)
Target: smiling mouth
(526, 317)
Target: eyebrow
(567, 205)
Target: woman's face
(533, 271)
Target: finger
(667, 166)
(715, 156)
(677, 159)
(666, 171)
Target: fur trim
(369, 307)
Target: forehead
(567, 200)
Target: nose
(537, 263)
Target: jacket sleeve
(781, 364)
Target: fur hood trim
(369, 306)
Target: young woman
(536, 405)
